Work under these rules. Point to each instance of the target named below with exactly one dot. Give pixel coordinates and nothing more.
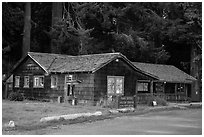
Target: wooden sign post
(127, 101)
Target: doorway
(70, 90)
(115, 85)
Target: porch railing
(143, 97)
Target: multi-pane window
(17, 81)
(141, 86)
(38, 81)
(26, 81)
(69, 78)
(115, 85)
(53, 81)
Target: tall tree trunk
(196, 91)
(27, 29)
(56, 16)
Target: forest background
(152, 32)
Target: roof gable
(66, 63)
(23, 60)
(58, 63)
(166, 73)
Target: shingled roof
(166, 73)
(52, 63)
(67, 63)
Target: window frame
(67, 78)
(34, 82)
(17, 86)
(24, 85)
(142, 83)
(54, 76)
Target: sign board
(126, 101)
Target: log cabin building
(172, 83)
(87, 77)
(90, 78)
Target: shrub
(108, 102)
(15, 96)
(160, 101)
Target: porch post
(5, 90)
(175, 90)
(185, 90)
(164, 84)
(65, 93)
(136, 87)
(151, 87)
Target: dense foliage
(147, 32)
(15, 96)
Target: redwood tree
(56, 17)
(27, 28)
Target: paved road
(165, 123)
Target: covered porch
(172, 84)
(169, 91)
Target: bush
(108, 102)
(160, 101)
(15, 96)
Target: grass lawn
(28, 113)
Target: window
(38, 81)
(17, 81)
(159, 87)
(69, 78)
(142, 86)
(26, 81)
(53, 81)
(115, 85)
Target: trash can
(74, 101)
(154, 103)
(59, 99)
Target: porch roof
(165, 73)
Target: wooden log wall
(54, 93)
(85, 90)
(31, 69)
(93, 86)
(114, 68)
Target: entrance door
(115, 85)
(70, 90)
